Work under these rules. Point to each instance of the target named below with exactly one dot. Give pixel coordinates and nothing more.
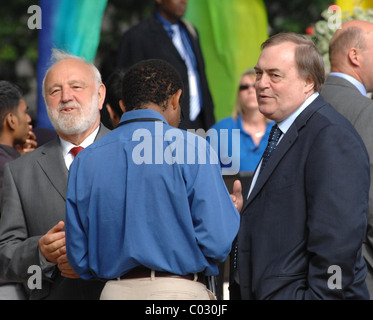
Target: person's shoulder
(30, 158)
(141, 27)
(225, 123)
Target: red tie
(74, 151)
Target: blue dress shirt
(135, 198)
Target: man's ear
(309, 85)
(113, 116)
(11, 120)
(354, 56)
(101, 95)
(175, 99)
(122, 105)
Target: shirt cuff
(46, 266)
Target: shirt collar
(284, 125)
(142, 113)
(166, 24)
(66, 145)
(352, 80)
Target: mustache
(74, 105)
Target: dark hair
(114, 91)
(150, 81)
(10, 97)
(308, 59)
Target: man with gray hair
(351, 77)
(32, 240)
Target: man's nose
(66, 95)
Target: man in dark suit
(166, 36)
(351, 57)
(305, 217)
(32, 240)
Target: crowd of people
(137, 207)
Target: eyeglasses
(246, 86)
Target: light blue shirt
(284, 126)
(148, 194)
(352, 80)
(248, 154)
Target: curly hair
(150, 81)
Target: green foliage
(17, 40)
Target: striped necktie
(274, 136)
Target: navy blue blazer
(303, 225)
(149, 40)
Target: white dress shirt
(284, 126)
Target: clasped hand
(53, 247)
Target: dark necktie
(74, 151)
(271, 146)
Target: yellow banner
(348, 5)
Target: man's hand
(30, 143)
(52, 243)
(63, 265)
(237, 195)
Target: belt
(142, 272)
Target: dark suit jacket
(303, 225)
(149, 40)
(34, 191)
(348, 100)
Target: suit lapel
(54, 167)
(160, 33)
(284, 145)
(52, 163)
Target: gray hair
(59, 55)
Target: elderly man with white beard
(32, 237)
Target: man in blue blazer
(304, 220)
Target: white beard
(70, 124)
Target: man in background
(14, 135)
(351, 58)
(165, 35)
